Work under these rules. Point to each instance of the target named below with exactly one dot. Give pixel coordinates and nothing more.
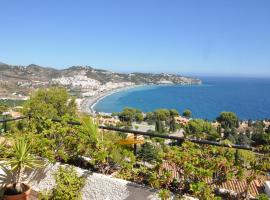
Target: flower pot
(10, 193)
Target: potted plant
(17, 164)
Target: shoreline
(88, 103)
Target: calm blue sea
(249, 98)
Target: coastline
(88, 103)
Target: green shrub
(68, 186)
(164, 194)
(262, 197)
(148, 152)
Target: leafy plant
(68, 184)
(201, 190)
(164, 194)
(148, 152)
(21, 160)
(263, 197)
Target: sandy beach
(88, 103)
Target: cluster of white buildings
(90, 87)
(81, 81)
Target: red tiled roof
(256, 186)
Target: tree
(187, 113)
(237, 158)
(259, 136)
(213, 135)
(219, 129)
(3, 108)
(249, 123)
(174, 113)
(243, 140)
(258, 127)
(159, 126)
(139, 117)
(228, 120)
(50, 103)
(172, 125)
(162, 114)
(130, 114)
(268, 130)
(195, 127)
(148, 152)
(200, 128)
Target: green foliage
(21, 159)
(163, 118)
(201, 190)
(195, 127)
(267, 130)
(148, 152)
(45, 195)
(2, 150)
(164, 194)
(193, 162)
(5, 104)
(174, 113)
(260, 137)
(139, 117)
(228, 120)
(159, 126)
(171, 120)
(3, 108)
(107, 153)
(130, 114)
(187, 113)
(88, 131)
(200, 128)
(55, 141)
(196, 164)
(244, 157)
(150, 117)
(50, 103)
(172, 125)
(68, 184)
(159, 180)
(242, 139)
(161, 114)
(263, 197)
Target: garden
(172, 170)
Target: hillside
(21, 80)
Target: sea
(249, 98)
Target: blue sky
(219, 37)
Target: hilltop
(21, 80)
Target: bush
(262, 197)
(68, 186)
(148, 152)
(164, 194)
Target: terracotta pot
(23, 196)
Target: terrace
(134, 139)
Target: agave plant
(21, 160)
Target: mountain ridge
(23, 79)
